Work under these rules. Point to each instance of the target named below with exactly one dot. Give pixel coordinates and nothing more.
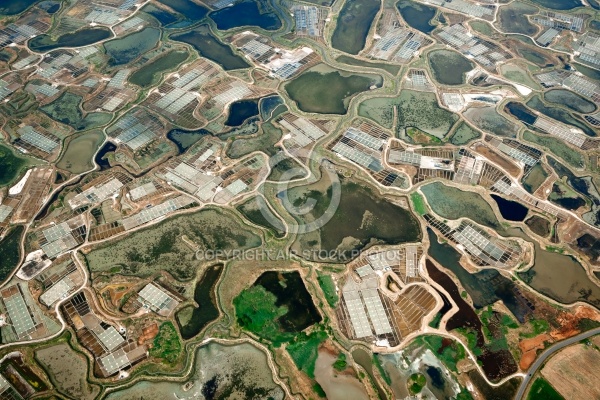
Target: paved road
(547, 353)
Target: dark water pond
(13, 7)
(521, 112)
(510, 210)
(268, 105)
(212, 48)
(240, 111)
(245, 13)
(485, 287)
(82, 37)
(109, 147)
(191, 10)
(290, 291)
(50, 7)
(207, 310)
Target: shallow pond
(560, 114)
(337, 386)
(82, 37)
(164, 17)
(534, 178)
(365, 360)
(236, 371)
(559, 276)
(484, 287)
(126, 49)
(353, 24)
(453, 203)
(210, 47)
(78, 156)
(513, 18)
(327, 90)
(268, 105)
(569, 99)
(521, 112)
(361, 219)
(559, 4)
(151, 71)
(246, 13)
(417, 15)
(449, 67)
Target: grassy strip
(418, 203)
(328, 286)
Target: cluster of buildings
(281, 63)
(370, 312)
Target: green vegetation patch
(542, 390)
(255, 209)
(539, 225)
(418, 203)
(416, 383)
(517, 74)
(328, 287)
(557, 147)
(304, 350)
(447, 350)
(160, 247)
(66, 109)
(10, 250)
(340, 363)
(257, 312)
(11, 165)
(482, 27)
(452, 203)
(414, 109)
(166, 344)
(264, 141)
